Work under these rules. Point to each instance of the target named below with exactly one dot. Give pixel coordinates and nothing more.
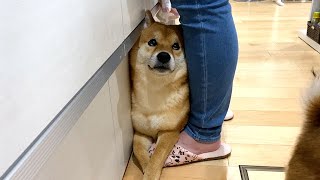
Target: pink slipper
(181, 156)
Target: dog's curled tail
(312, 105)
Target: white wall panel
(133, 13)
(121, 108)
(48, 50)
(149, 4)
(89, 151)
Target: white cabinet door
(88, 152)
(121, 107)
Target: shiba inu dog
(305, 161)
(160, 93)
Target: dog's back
(305, 161)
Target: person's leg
(211, 47)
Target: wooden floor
(273, 70)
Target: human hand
(166, 7)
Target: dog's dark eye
(152, 42)
(176, 46)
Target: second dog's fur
(305, 161)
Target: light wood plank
(264, 135)
(233, 173)
(263, 104)
(265, 175)
(266, 118)
(260, 155)
(260, 92)
(252, 81)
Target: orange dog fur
(160, 94)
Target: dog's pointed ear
(148, 19)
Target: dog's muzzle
(162, 64)
(163, 57)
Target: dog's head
(160, 47)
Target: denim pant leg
(211, 47)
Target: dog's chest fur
(159, 105)
(159, 94)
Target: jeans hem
(201, 139)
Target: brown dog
(305, 161)
(160, 97)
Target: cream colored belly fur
(164, 112)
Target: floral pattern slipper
(181, 156)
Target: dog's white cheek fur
(153, 60)
(180, 61)
(143, 55)
(172, 64)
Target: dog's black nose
(163, 57)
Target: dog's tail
(312, 105)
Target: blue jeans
(211, 47)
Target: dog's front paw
(150, 176)
(144, 166)
(152, 173)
